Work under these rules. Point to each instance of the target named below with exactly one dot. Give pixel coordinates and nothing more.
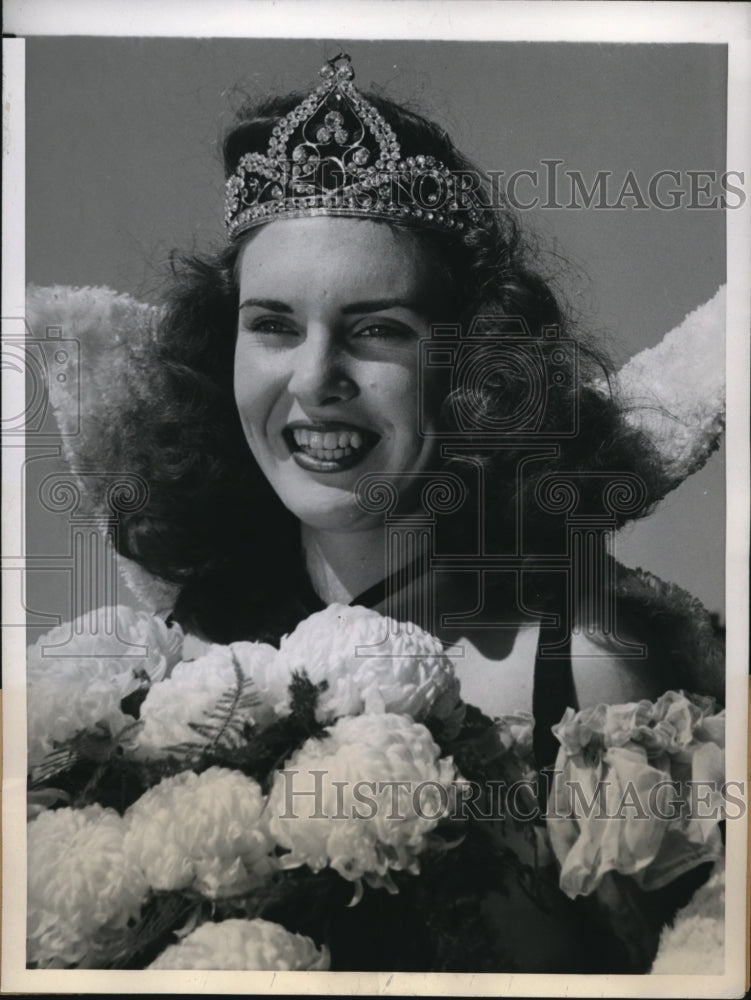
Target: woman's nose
(321, 373)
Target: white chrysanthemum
(694, 944)
(261, 663)
(372, 663)
(83, 686)
(336, 802)
(109, 633)
(80, 880)
(685, 426)
(238, 945)
(202, 831)
(195, 688)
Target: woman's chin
(336, 511)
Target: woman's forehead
(338, 256)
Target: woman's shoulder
(658, 637)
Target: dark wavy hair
(212, 522)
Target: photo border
(424, 19)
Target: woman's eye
(385, 331)
(268, 325)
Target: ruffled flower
(363, 800)
(371, 663)
(83, 686)
(515, 731)
(81, 880)
(201, 831)
(237, 945)
(625, 796)
(193, 691)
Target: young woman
(290, 368)
(369, 396)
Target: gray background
(122, 167)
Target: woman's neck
(343, 565)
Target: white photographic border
(420, 19)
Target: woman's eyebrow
(376, 305)
(273, 305)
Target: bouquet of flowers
(334, 804)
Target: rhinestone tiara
(335, 155)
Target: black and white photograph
(375, 473)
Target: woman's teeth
(327, 445)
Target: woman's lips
(328, 447)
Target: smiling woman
(327, 358)
(315, 320)
(369, 393)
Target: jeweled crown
(334, 154)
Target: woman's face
(326, 366)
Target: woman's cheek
(402, 409)
(258, 385)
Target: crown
(335, 155)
